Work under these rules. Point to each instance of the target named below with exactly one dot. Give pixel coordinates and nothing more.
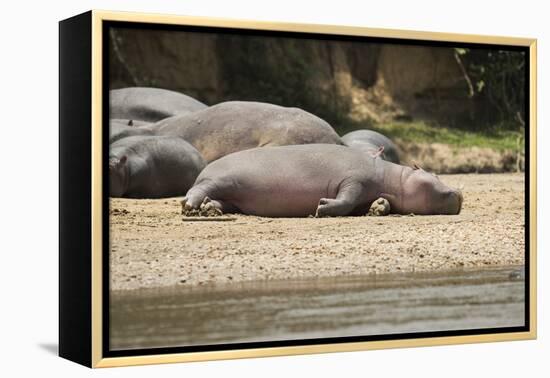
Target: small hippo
(240, 125)
(150, 104)
(372, 143)
(123, 128)
(152, 167)
(320, 179)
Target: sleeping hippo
(123, 128)
(239, 125)
(150, 104)
(152, 167)
(320, 179)
(372, 143)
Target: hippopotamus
(152, 167)
(240, 125)
(316, 179)
(123, 128)
(150, 104)
(373, 143)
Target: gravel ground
(152, 247)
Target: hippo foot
(320, 213)
(206, 209)
(330, 207)
(379, 207)
(209, 209)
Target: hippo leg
(192, 200)
(346, 200)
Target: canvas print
(270, 188)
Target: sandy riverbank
(152, 247)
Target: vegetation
(423, 133)
(496, 81)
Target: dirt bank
(152, 247)
(443, 158)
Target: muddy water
(313, 308)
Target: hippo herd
(259, 159)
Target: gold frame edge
(98, 16)
(310, 28)
(533, 187)
(309, 349)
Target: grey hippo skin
(152, 167)
(150, 104)
(123, 128)
(239, 125)
(370, 142)
(321, 179)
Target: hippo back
(119, 128)
(370, 141)
(239, 125)
(150, 104)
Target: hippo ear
(416, 166)
(122, 160)
(378, 152)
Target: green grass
(422, 133)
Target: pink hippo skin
(316, 179)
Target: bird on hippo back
(123, 128)
(316, 179)
(240, 125)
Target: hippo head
(423, 193)
(118, 176)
